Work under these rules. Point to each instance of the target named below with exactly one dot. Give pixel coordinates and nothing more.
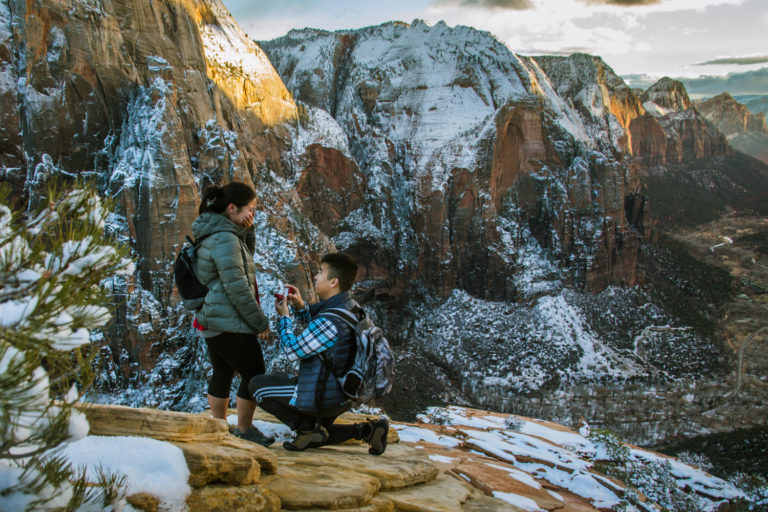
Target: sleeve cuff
(284, 322)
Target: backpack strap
(342, 314)
(196, 242)
(345, 316)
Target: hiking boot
(307, 439)
(254, 435)
(377, 437)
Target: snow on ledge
(155, 467)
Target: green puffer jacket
(225, 265)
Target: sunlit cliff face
(240, 69)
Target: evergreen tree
(54, 264)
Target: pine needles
(53, 263)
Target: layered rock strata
(227, 473)
(685, 135)
(457, 467)
(682, 160)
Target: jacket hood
(208, 223)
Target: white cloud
(552, 26)
(665, 38)
(666, 35)
(678, 5)
(640, 46)
(264, 29)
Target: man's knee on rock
(255, 383)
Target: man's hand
(295, 297)
(264, 335)
(281, 306)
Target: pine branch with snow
(52, 266)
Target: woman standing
(231, 319)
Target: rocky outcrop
(673, 151)
(331, 187)
(687, 165)
(649, 142)
(666, 95)
(212, 454)
(675, 138)
(730, 116)
(747, 132)
(477, 461)
(672, 131)
(756, 103)
(338, 478)
(658, 127)
(521, 146)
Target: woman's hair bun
(216, 198)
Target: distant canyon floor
(738, 244)
(731, 414)
(723, 413)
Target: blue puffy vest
(317, 388)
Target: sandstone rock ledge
(227, 473)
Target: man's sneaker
(307, 439)
(254, 435)
(377, 437)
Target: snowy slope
(226, 44)
(535, 452)
(394, 82)
(558, 339)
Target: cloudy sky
(678, 38)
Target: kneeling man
(310, 402)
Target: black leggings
(230, 353)
(273, 393)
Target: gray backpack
(373, 368)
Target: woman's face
(243, 215)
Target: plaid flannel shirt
(319, 335)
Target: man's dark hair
(341, 267)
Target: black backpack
(373, 369)
(191, 290)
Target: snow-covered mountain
(467, 150)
